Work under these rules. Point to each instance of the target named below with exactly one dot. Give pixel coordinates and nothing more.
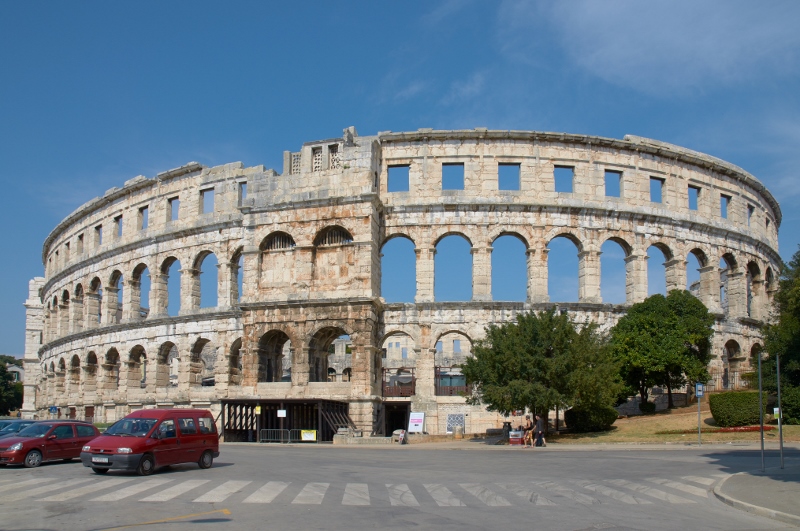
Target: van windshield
(131, 427)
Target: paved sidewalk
(774, 493)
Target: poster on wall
(415, 422)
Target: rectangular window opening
(453, 176)
(750, 211)
(656, 190)
(98, 236)
(439, 347)
(143, 217)
(613, 181)
(694, 197)
(508, 176)
(398, 178)
(174, 205)
(563, 176)
(724, 205)
(334, 157)
(404, 353)
(242, 193)
(207, 201)
(456, 346)
(66, 252)
(118, 226)
(80, 243)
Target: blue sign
(698, 390)
(53, 410)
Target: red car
(46, 441)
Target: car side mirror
(52, 437)
(155, 435)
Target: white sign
(415, 422)
(281, 413)
(776, 412)
(698, 389)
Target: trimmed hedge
(790, 402)
(599, 419)
(736, 408)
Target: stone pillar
(589, 277)
(251, 273)
(300, 365)
(130, 307)
(190, 290)
(537, 275)
(159, 295)
(63, 319)
(709, 288)
(481, 273)
(425, 265)
(676, 274)
(76, 315)
(737, 294)
(758, 300)
(635, 278)
(111, 305)
(93, 303)
(425, 373)
(34, 330)
(224, 285)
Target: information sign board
(416, 421)
(308, 435)
(699, 389)
(281, 413)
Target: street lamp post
(780, 407)
(761, 411)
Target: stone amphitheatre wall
(305, 247)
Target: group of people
(533, 433)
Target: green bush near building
(596, 419)
(790, 402)
(736, 408)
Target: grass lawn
(647, 428)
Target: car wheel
(206, 460)
(100, 470)
(146, 465)
(33, 459)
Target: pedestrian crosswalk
(541, 493)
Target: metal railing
(284, 436)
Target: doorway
(397, 414)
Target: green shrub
(736, 408)
(648, 408)
(790, 402)
(598, 419)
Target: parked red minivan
(151, 438)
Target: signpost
(699, 390)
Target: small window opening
(316, 159)
(694, 197)
(613, 181)
(98, 236)
(174, 205)
(242, 193)
(118, 226)
(439, 347)
(334, 158)
(508, 176)
(724, 205)
(66, 252)
(80, 243)
(563, 176)
(143, 217)
(207, 201)
(656, 190)
(456, 346)
(453, 176)
(404, 353)
(398, 178)
(750, 211)
(767, 224)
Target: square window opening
(656, 190)
(174, 208)
(207, 201)
(613, 182)
(143, 217)
(724, 206)
(508, 176)
(694, 197)
(242, 193)
(563, 177)
(398, 178)
(453, 176)
(118, 226)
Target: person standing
(539, 437)
(527, 435)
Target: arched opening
(563, 267)
(274, 357)
(452, 350)
(206, 276)
(63, 314)
(347, 374)
(398, 270)
(333, 256)
(320, 348)
(140, 292)
(61, 373)
(94, 303)
(202, 362)
(276, 261)
(730, 365)
(754, 289)
(74, 372)
(137, 368)
(77, 309)
(331, 374)
(693, 266)
(236, 270)
(167, 365)
(509, 268)
(769, 286)
(111, 370)
(114, 297)
(727, 267)
(452, 267)
(235, 363)
(90, 373)
(657, 256)
(398, 351)
(613, 272)
(171, 276)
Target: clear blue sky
(95, 93)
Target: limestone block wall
(297, 261)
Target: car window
(35, 430)
(167, 429)
(137, 427)
(206, 425)
(63, 432)
(187, 426)
(84, 431)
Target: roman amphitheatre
(291, 263)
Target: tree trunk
(670, 405)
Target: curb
(753, 509)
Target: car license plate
(99, 459)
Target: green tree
(540, 362)
(663, 341)
(8, 398)
(782, 337)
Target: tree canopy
(782, 337)
(541, 361)
(10, 391)
(663, 341)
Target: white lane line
(94, 487)
(650, 491)
(568, 493)
(175, 490)
(19, 484)
(400, 494)
(15, 496)
(267, 493)
(703, 481)
(356, 494)
(222, 492)
(132, 490)
(612, 493)
(485, 494)
(312, 494)
(442, 496)
(691, 489)
(526, 493)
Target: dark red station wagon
(46, 441)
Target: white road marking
(356, 494)
(94, 487)
(442, 496)
(485, 494)
(175, 490)
(698, 479)
(527, 493)
(691, 489)
(568, 493)
(267, 493)
(612, 493)
(312, 494)
(222, 492)
(15, 496)
(132, 490)
(400, 494)
(650, 491)
(19, 484)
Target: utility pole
(780, 407)
(761, 411)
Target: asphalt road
(327, 487)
